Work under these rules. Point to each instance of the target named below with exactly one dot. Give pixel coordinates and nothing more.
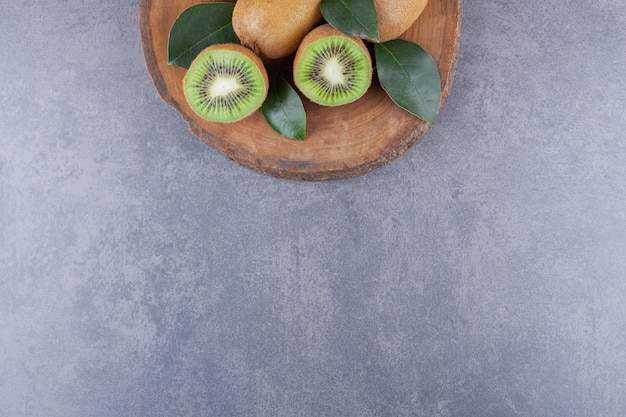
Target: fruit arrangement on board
(336, 48)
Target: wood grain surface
(341, 142)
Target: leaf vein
(406, 74)
(200, 41)
(356, 18)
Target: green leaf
(354, 17)
(410, 77)
(284, 111)
(198, 27)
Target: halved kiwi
(226, 83)
(332, 68)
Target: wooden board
(341, 142)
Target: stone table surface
(482, 273)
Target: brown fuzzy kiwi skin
(273, 29)
(325, 31)
(248, 53)
(396, 16)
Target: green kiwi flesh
(333, 71)
(225, 84)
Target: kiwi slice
(332, 68)
(225, 83)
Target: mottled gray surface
(481, 274)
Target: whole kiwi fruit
(396, 16)
(225, 83)
(332, 68)
(274, 28)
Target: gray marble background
(481, 274)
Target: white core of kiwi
(224, 86)
(333, 71)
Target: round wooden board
(341, 142)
